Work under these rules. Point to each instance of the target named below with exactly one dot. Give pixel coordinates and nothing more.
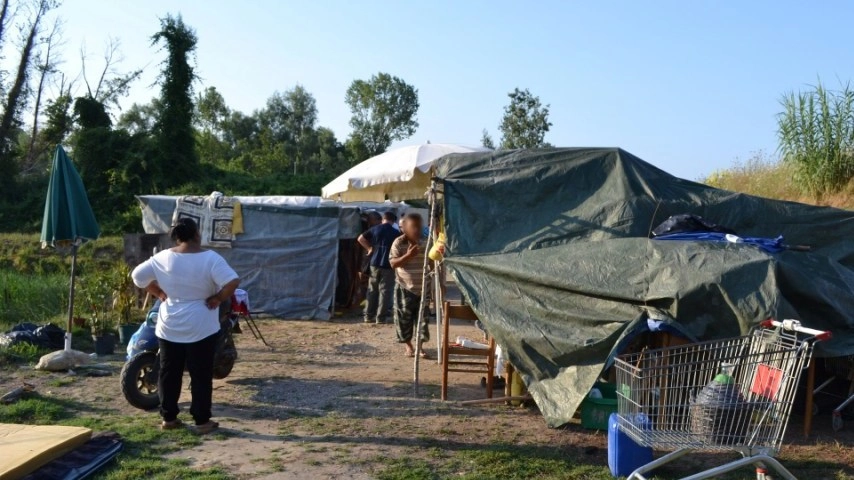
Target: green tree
(59, 121)
(140, 119)
(816, 136)
(91, 113)
(384, 109)
(241, 133)
(486, 140)
(16, 94)
(173, 129)
(211, 111)
(330, 156)
(525, 122)
(301, 123)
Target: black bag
(688, 223)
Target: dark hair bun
(184, 230)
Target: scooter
(140, 372)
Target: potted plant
(104, 339)
(97, 295)
(124, 302)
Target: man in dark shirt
(377, 241)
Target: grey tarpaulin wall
(551, 248)
(288, 256)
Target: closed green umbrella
(68, 218)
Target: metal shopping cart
(724, 395)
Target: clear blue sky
(687, 85)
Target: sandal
(425, 355)
(206, 428)
(171, 425)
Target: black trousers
(197, 358)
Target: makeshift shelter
(288, 255)
(552, 250)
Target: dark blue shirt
(381, 237)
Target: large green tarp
(552, 250)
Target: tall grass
(31, 298)
(765, 176)
(34, 281)
(816, 133)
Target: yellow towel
(237, 220)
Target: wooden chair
(484, 364)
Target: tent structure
(552, 249)
(288, 255)
(397, 175)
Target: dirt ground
(335, 400)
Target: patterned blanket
(215, 216)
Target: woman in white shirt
(191, 282)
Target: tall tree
(211, 111)
(17, 94)
(274, 118)
(59, 121)
(111, 84)
(301, 122)
(47, 67)
(174, 127)
(4, 19)
(525, 121)
(486, 140)
(140, 119)
(384, 108)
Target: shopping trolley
(724, 395)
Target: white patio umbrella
(396, 175)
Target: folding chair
(484, 359)
(240, 310)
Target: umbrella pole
(74, 247)
(431, 195)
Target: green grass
(34, 281)
(145, 446)
(20, 353)
(31, 298)
(505, 461)
(408, 469)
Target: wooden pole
(431, 196)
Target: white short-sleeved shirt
(188, 280)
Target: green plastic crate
(595, 411)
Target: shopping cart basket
(724, 395)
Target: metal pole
(74, 247)
(431, 196)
